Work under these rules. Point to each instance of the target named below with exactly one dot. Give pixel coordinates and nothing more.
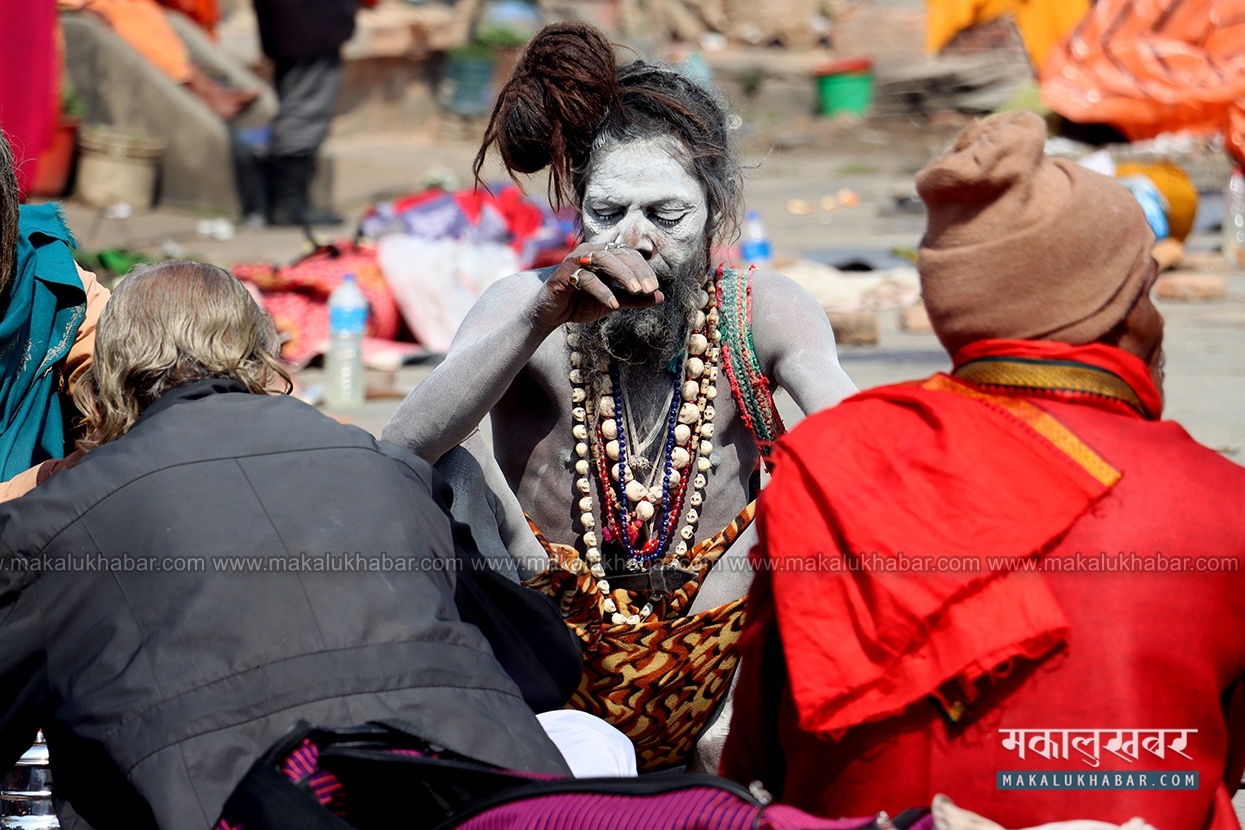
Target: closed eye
(607, 215)
(668, 221)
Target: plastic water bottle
(344, 384)
(755, 248)
(1234, 220)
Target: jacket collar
(193, 391)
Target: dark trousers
(307, 90)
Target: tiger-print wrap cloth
(657, 681)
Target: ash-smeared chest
(540, 465)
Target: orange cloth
(1176, 187)
(1042, 23)
(944, 19)
(142, 24)
(1152, 67)
(205, 13)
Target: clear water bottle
(1234, 220)
(755, 248)
(26, 792)
(344, 383)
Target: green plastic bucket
(845, 86)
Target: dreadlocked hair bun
(548, 113)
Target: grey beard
(640, 337)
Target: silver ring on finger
(574, 278)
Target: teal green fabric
(42, 309)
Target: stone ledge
(854, 328)
(915, 320)
(1184, 286)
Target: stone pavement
(1205, 341)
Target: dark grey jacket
(301, 29)
(160, 680)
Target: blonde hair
(167, 325)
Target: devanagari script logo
(1091, 747)
(1086, 745)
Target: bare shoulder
(795, 344)
(783, 311)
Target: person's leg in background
(142, 24)
(307, 90)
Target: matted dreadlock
(567, 99)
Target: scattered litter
(442, 177)
(1099, 161)
(1063, 147)
(172, 249)
(220, 229)
(799, 207)
(119, 210)
(109, 264)
(1171, 144)
(829, 203)
(848, 198)
(906, 203)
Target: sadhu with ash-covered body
(630, 386)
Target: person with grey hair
(47, 324)
(630, 388)
(223, 562)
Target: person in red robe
(29, 83)
(1014, 569)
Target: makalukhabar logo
(1087, 746)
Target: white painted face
(640, 193)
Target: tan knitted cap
(1022, 246)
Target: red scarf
(938, 468)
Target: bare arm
(502, 332)
(20, 484)
(79, 357)
(494, 343)
(795, 344)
